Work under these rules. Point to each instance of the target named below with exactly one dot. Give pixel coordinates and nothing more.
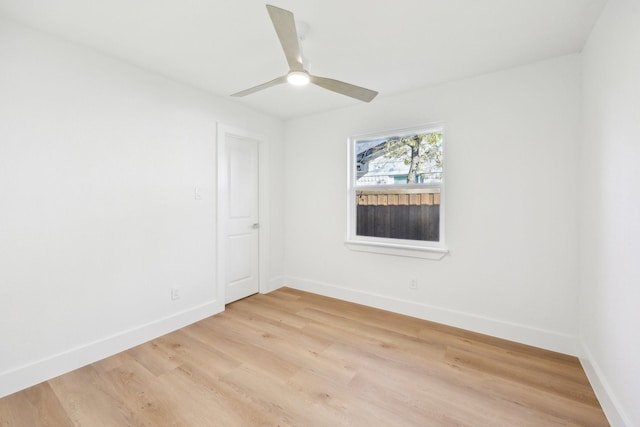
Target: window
(396, 191)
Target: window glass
(398, 160)
(396, 187)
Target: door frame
(263, 211)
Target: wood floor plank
(36, 406)
(382, 342)
(338, 404)
(266, 308)
(154, 357)
(292, 358)
(88, 400)
(244, 317)
(182, 347)
(235, 345)
(16, 411)
(539, 379)
(139, 390)
(234, 400)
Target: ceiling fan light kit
(298, 78)
(285, 26)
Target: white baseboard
(273, 284)
(42, 370)
(616, 416)
(550, 340)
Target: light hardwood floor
(292, 358)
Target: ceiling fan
(285, 26)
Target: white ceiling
(224, 46)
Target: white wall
(511, 170)
(610, 206)
(98, 163)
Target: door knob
(255, 226)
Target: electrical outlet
(413, 283)
(175, 294)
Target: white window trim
(389, 246)
(397, 249)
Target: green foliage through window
(408, 159)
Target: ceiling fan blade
(285, 27)
(273, 82)
(343, 88)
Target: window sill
(397, 249)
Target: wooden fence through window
(412, 214)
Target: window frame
(387, 245)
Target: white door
(240, 210)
